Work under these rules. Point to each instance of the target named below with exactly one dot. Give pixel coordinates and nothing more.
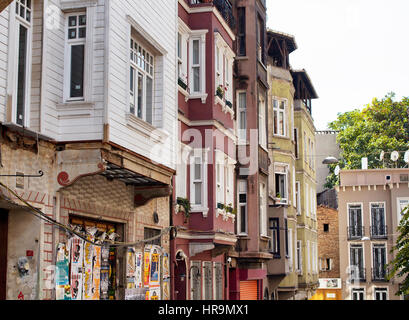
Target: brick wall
(328, 242)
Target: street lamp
(330, 160)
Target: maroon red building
(205, 178)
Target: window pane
(22, 66)
(149, 99)
(198, 193)
(140, 95)
(196, 52)
(77, 71)
(82, 20)
(196, 79)
(179, 46)
(243, 219)
(132, 90)
(198, 168)
(82, 32)
(72, 33)
(72, 21)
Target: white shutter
(294, 193)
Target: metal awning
(114, 172)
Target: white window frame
(277, 113)
(297, 143)
(307, 199)
(241, 132)
(363, 254)
(220, 174)
(370, 213)
(198, 35)
(306, 148)
(299, 256)
(181, 174)
(308, 251)
(203, 206)
(263, 209)
(349, 204)
(242, 189)
(15, 22)
(361, 289)
(262, 122)
(88, 52)
(138, 69)
(290, 249)
(375, 289)
(398, 213)
(373, 244)
(298, 197)
(184, 32)
(279, 171)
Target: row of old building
(129, 117)
(357, 227)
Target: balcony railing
(358, 273)
(379, 232)
(355, 232)
(224, 7)
(379, 274)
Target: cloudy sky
(353, 50)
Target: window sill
(145, 128)
(76, 4)
(75, 109)
(225, 107)
(184, 92)
(202, 210)
(202, 96)
(225, 215)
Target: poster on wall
(87, 282)
(138, 270)
(146, 266)
(96, 273)
(62, 281)
(154, 293)
(130, 262)
(165, 266)
(112, 273)
(166, 289)
(155, 267)
(104, 280)
(77, 249)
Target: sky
(353, 50)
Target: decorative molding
(68, 5)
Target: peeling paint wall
(27, 229)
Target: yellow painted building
(307, 236)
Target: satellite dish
(382, 156)
(406, 157)
(395, 156)
(337, 170)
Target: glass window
(242, 207)
(275, 237)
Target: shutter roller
(248, 290)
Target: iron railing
(379, 274)
(379, 232)
(355, 232)
(358, 273)
(224, 7)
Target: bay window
(197, 64)
(198, 181)
(224, 57)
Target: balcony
(355, 232)
(379, 274)
(223, 6)
(379, 232)
(358, 273)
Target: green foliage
(399, 266)
(185, 203)
(382, 125)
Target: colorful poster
(146, 263)
(77, 250)
(130, 262)
(87, 280)
(166, 289)
(112, 273)
(76, 284)
(154, 293)
(62, 280)
(104, 281)
(155, 267)
(138, 270)
(165, 266)
(96, 273)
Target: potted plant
(220, 92)
(185, 204)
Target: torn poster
(96, 272)
(146, 263)
(138, 269)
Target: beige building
(370, 205)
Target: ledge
(145, 128)
(226, 215)
(74, 109)
(202, 96)
(184, 92)
(67, 5)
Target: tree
(382, 125)
(399, 266)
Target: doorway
(180, 277)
